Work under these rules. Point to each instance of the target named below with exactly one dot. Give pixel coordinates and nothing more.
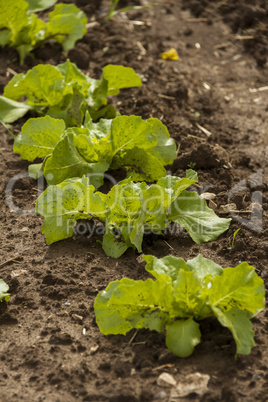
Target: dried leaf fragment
(170, 55)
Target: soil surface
(214, 101)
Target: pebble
(160, 395)
(166, 380)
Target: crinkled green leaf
(238, 323)
(119, 77)
(72, 110)
(66, 162)
(238, 287)
(139, 164)
(43, 85)
(172, 302)
(141, 304)
(38, 137)
(190, 295)
(4, 296)
(62, 205)
(192, 213)
(13, 16)
(11, 110)
(73, 76)
(182, 337)
(131, 131)
(98, 130)
(66, 24)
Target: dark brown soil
(50, 346)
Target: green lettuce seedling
(129, 211)
(64, 92)
(24, 31)
(182, 294)
(142, 148)
(4, 296)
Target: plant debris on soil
(214, 101)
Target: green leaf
(112, 247)
(4, 296)
(131, 131)
(107, 317)
(66, 162)
(38, 137)
(43, 85)
(39, 5)
(67, 24)
(5, 36)
(98, 130)
(73, 109)
(73, 75)
(238, 287)
(141, 304)
(139, 164)
(166, 268)
(192, 213)
(35, 170)
(238, 323)
(119, 77)
(182, 337)
(63, 205)
(11, 110)
(189, 295)
(174, 186)
(12, 16)
(165, 150)
(204, 267)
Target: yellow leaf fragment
(170, 55)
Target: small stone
(160, 395)
(193, 383)
(166, 380)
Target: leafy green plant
(129, 211)
(64, 92)
(4, 296)
(191, 165)
(113, 11)
(24, 31)
(182, 294)
(231, 243)
(142, 148)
